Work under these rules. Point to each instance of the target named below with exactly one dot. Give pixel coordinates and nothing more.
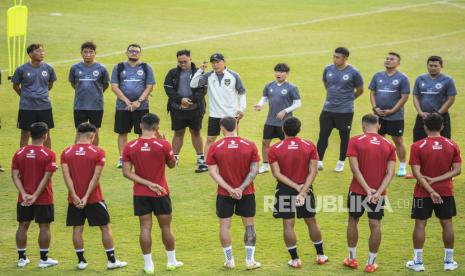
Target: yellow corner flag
(16, 30)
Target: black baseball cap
(216, 57)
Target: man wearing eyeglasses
(132, 82)
(186, 106)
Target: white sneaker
(253, 265)
(264, 168)
(82, 265)
(320, 165)
(23, 262)
(415, 266)
(47, 263)
(230, 264)
(116, 264)
(295, 263)
(449, 266)
(174, 266)
(339, 166)
(149, 270)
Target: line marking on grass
(262, 29)
(456, 5)
(328, 51)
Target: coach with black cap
(226, 94)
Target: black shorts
(213, 126)
(285, 207)
(180, 119)
(92, 116)
(341, 121)
(144, 205)
(393, 128)
(357, 205)
(95, 213)
(270, 132)
(40, 213)
(27, 117)
(125, 120)
(226, 206)
(419, 132)
(423, 208)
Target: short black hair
(31, 48)
(370, 119)
(229, 123)
(38, 130)
(291, 126)
(134, 45)
(88, 45)
(343, 51)
(394, 54)
(183, 52)
(282, 67)
(434, 58)
(86, 127)
(433, 122)
(150, 121)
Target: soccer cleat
(82, 265)
(120, 163)
(352, 263)
(174, 266)
(116, 264)
(415, 266)
(229, 264)
(1, 169)
(253, 265)
(321, 259)
(339, 166)
(202, 168)
(264, 168)
(47, 263)
(149, 270)
(23, 262)
(295, 263)
(409, 176)
(200, 161)
(449, 266)
(371, 268)
(320, 165)
(402, 172)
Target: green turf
(368, 28)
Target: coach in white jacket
(226, 94)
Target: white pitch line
(318, 52)
(456, 5)
(263, 29)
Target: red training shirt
(373, 153)
(32, 163)
(233, 155)
(82, 160)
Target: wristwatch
(140, 100)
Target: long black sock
(80, 255)
(44, 254)
(319, 247)
(22, 253)
(293, 252)
(111, 255)
(345, 137)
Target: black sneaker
(202, 168)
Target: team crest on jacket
(95, 73)
(227, 82)
(284, 91)
(140, 72)
(44, 73)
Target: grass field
(254, 36)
